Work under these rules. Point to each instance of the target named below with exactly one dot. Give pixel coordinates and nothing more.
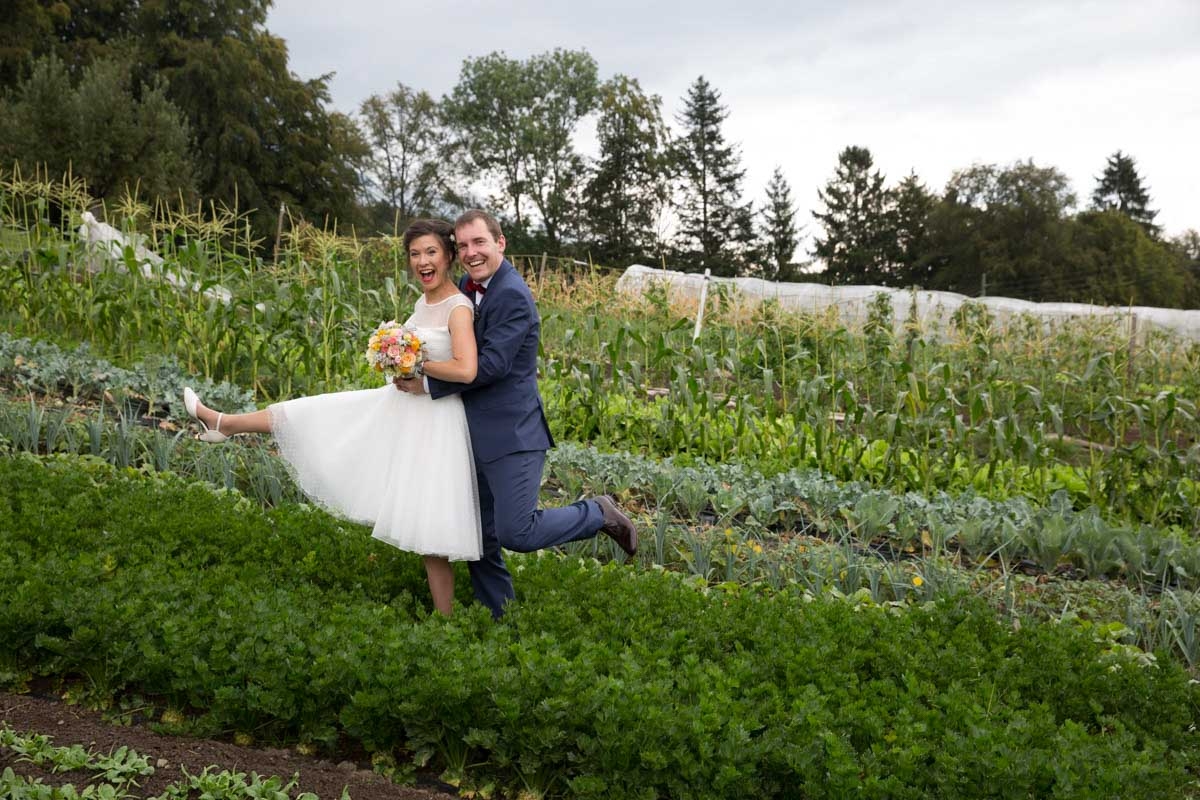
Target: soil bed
(69, 725)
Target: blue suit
(509, 437)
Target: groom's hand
(409, 385)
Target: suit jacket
(504, 410)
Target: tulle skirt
(401, 463)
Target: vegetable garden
(951, 565)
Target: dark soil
(69, 725)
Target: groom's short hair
(493, 225)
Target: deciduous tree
(1006, 226)
(263, 136)
(260, 134)
(1187, 250)
(410, 168)
(27, 33)
(1118, 263)
(517, 120)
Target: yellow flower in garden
(757, 548)
(918, 580)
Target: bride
(397, 461)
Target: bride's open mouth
(426, 275)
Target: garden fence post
(700, 310)
(278, 233)
(1133, 325)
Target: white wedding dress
(399, 462)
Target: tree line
(1005, 230)
(195, 100)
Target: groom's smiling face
(479, 253)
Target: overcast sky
(926, 85)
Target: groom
(509, 434)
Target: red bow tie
(473, 287)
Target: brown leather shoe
(617, 525)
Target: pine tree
(912, 204)
(859, 243)
(1119, 188)
(629, 187)
(781, 235)
(716, 230)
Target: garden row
(117, 774)
(600, 681)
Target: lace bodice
(431, 320)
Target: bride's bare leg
(441, 583)
(254, 422)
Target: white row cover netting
(107, 244)
(934, 310)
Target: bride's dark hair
(431, 227)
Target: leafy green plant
(229, 785)
(599, 680)
(117, 771)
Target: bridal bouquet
(396, 350)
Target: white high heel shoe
(212, 435)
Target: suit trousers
(508, 498)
